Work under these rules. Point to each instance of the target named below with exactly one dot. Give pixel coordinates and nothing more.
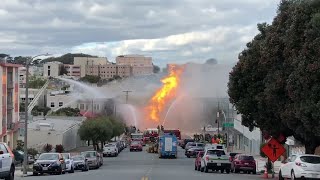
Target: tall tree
(275, 84)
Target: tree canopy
(36, 82)
(275, 85)
(90, 79)
(101, 129)
(211, 61)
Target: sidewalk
(261, 162)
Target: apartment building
(9, 102)
(108, 71)
(83, 62)
(73, 70)
(140, 65)
(52, 69)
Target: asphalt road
(144, 166)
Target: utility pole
(25, 147)
(218, 116)
(127, 95)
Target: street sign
(228, 124)
(273, 149)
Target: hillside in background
(66, 58)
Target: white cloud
(185, 30)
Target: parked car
(215, 159)
(135, 146)
(110, 150)
(69, 162)
(197, 162)
(193, 152)
(52, 163)
(245, 163)
(93, 159)
(301, 166)
(185, 142)
(7, 158)
(80, 163)
(117, 145)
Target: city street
(144, 166)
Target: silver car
(93, 159)
(80, 163)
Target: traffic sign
(228, 125)
(273, 149)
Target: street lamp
(25, 148)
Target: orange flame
(166, 93)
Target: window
(215, 152)
(52, 104)
(60, 104)
(49, 73)
(310, 159)
(3, 148)
(82, 106)
(48, 67)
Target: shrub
(47, 148)
(59, 148)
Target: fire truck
(150, 135)
(137, 137)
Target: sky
(175, 31)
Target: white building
(246, 141)
(83, 62)
(60, 99)
(52, 69)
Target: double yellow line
(144, 178)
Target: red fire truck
(150, 134)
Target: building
(31, 95)
(83, 62)
(33, 71)
(109, 71)
(58, 99)
(52, 69)
(9, 102)
(73, 70)
(140, 65)
(22, 76)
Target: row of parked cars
(214, 157)
(113, 148)
(60, 163)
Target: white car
(301, 166)
(215, 159)
(69, 162)
(7, 167)
(110, 150)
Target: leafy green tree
(59, 148)
(90, 79)
(38, 110)
(47, 148)
(63, 70)
(33, 152)
(36, 82)
(275, 85)
(101, 129)
(67, 111)
(20, 60)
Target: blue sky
(170, 31)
